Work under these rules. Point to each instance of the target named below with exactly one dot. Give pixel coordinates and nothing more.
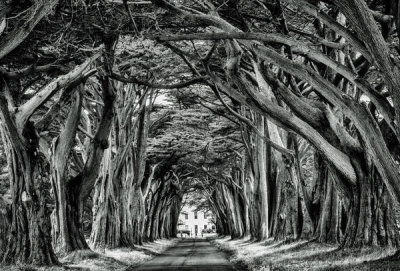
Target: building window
(205, 227)
(186, 216)
(205, 216)
(195, 215)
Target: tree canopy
(279, 116)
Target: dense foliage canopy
(280, 116)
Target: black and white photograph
(199, 135)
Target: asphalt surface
(190, 254)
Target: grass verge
(304, 255)
(120, 259)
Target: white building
(194, 222)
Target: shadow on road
(189, 254)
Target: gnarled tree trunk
(29, 239)
(66, 234)
(371, 217)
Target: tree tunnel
(277, 117)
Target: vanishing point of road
(190, 254)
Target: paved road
(190, 254)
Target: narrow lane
(190, 254)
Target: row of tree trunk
(292, 86)
(99, 156)
(268, 196)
